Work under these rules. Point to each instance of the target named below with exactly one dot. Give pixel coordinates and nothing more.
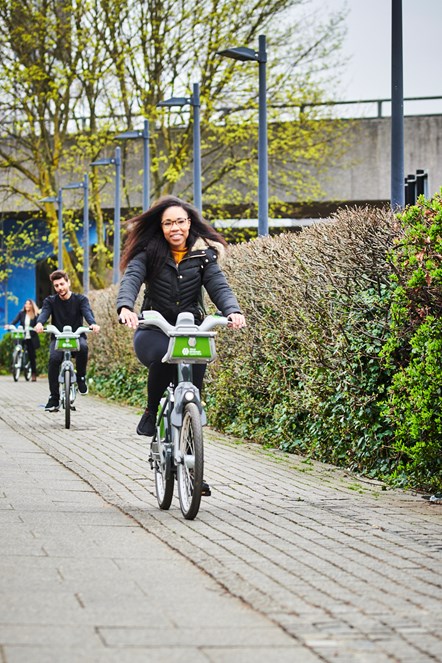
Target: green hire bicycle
(177, 450)
(68, 341)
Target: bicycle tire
(67, 398)
(16, 363)
(191, 468)
(27, 367)
(164, 480)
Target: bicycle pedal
(73, 408)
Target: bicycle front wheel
(16, 363)
(190, 470)
(27, 368)
(67, 399)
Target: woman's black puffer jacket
(177, 288)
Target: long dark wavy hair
(145, 234)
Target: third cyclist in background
(65, 308)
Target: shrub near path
(414, 350)
(306, 374)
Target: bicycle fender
(180, 402)
(177, 418)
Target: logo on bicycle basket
(67, 344)
(199, 347)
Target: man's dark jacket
(66, 311)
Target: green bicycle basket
(67, 344)
(191, 349)
(18, 334)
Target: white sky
(368, 47)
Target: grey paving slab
(323, 564)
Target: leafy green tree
(20, 246)
(45, 79)
(171, 45)
(75, 73)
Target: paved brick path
(290, 561)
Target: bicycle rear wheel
(164, 478)
(16, 363)
(67, 398)
(190, 470)
(27, 367)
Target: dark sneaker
(53, 405)
(82, 386)
(146, 425)
(205, 491)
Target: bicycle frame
(67, 365)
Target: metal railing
(378, 102)
(81, 122)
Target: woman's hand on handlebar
(237, 320)
(128, 318)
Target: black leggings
(31, 354)
(150, 347)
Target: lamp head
(174, 101)
(241, 53)
(102, 162)
(49, 199)
(129, 134)
(74, 185)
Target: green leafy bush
(114, 370)
(414, 349)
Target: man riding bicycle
(65, 308)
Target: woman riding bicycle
(174, 252)
(27, 318)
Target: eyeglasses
(179, 222)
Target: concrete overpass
(363, 174)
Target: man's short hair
(58, 274)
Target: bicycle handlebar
(185, 324)
(67, 331)
(18, 328)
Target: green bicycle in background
(20, 356)
(177, 449)
(67, 341)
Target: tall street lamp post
(59, 200)
(194, 101)
(397, 108)
(245, 54)
(116, 161)
(127, 135)
(85, 186)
